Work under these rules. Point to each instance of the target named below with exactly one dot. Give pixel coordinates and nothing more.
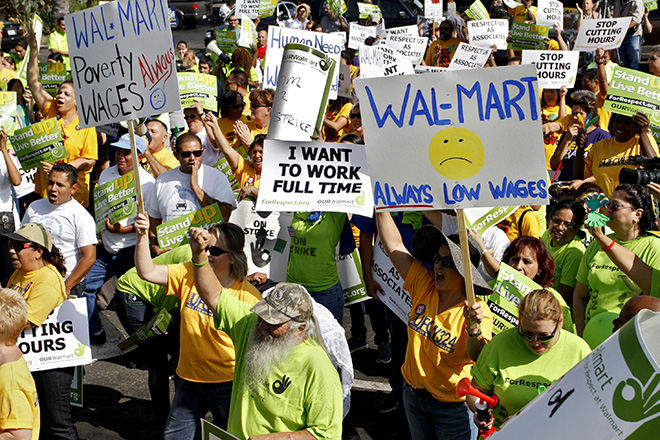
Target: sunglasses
(355, 115)
(237, 106)
(615, 206)
(253, 105)
(195, 116)
(542, 339)
(19, 245)
(215, 250)
(196, 153)
(447, 262)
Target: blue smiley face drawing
(157, 99)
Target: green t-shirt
(609, 288)
(514, 373)
(312, 258)
(312, 400)
(567, 260)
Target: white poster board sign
(315, 176)
(550, 13)
(468, 56)
(449, 113)
(412, 47)
(384, 273)
(429, 69)
(212, 432)
(61, 341)
(357, 34)
(555, 68)
(248, 35)
(433, 9)
(410, 31)
(345, 83)
(379, 61)
(122, 61)
(486, 33)
(255, 8)
(607, 33)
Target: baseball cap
(286, 302)
(34, 232)
(124, 142)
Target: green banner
(266, 8)
(651, 5)
(528, 36)
(198, 87)
(8, 112)
(51, 75)
(40, 142)
(352, 279)
(510, 287)
(115, 200)
(339, 7)
(157, 326)
(477, 11)
(175, 232)
(227, 40)
(224, 167)
(489, 218)
(366, 9)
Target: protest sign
(338, 7)
(39, 142)
(429, 69)
(550, 13)
(223, 166)
(384, 273)
(303, 86)
(528, 36)
(449, 113)
(651, 5)
(366, 9)
(468, 56)
(345, 84)
(554, 68)
(318, 176)
(480, 219)
(27, 182)
(486, 33)
(198, 87)
(8, 121)
(279, 37)
(357, 34)
(342, 35)
(122, 64)
(379, 61)
(174, 233)
(433, 9)
(227, 39)
(38, 27)
(410, 31)
(255, 8)
(510, 287)
(76, 390)
(115, 200)
(349, 270)
(248, 35)
(477, 11)
(157, 326)
(607, 33)
(614, 388)
(212, 432)
(61, 341)
(412, 47)
(51, 75)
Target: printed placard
(318, 176)
(338, 7)
(115, 200)
(529, 36)
(8, 122)
(384, 273)
(481, 219)
(40, 142)
(366, 9)
(468, 56)
(607, 33)
(61, 341)
(429, 69)
(555, 68)
(510, 287)
(380, 61)
(412, 47)
(51, 75)
(212, 432)
(446, 113)
(550, 13)
(174, 233)
(488, 33)
(477, 11)
(255, 8)
(357, 35)
(651, 5)
(76, 390)
(433, 9)
(122, 64)
(223, 166)
(349, 270)
(410, 31)
(157, 326)
(345, 83)
(227, 39)
(248, 34)
(198, 87)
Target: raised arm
(393, 244)
(39, 93)
(645, 141)
(14, 175)
(208, 286)
(220, 141)
(144, 265)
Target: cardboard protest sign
(528, 36)
(212, 432)
(366, 9)
(349, 270)
(433, 9)
(338, 7)
(61, 341)
(198, 87)
(227, 39)
(8, 120)
(27, 182)
(303, 87)
(357, 34)
(318, 176)
(223, 166)
(51, 75)
(607, 33)
(550, 13)
(175, 232)
(480, 219)
(345, 83)
(379, 61)
(115, 200)
(510, 287)
(486, 33)
(477, 11)
(555, 68)
(384, 273)
(412, 47)
(38, 27)
(449, 113)
(157, 326)
(122, 63)
(39, 142)
(248, 35)
(255, 8)
(614, 388)
(410, 31)
(468, 56)
(279, 37)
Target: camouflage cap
(286, 302)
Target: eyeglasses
(447, 262)
(253, 105)
(237, 106)
(542, 339)
(556, 221)
(355, 115)
(195, 116)
(215, 250)
(615, 206)
(196, 153)
(18, 246)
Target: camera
(561, 190)
(637, 176)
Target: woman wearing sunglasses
(601, 285)
(261, 105)
(231, 110)
(440, 339)
(206, 358)
(519, 363)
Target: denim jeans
(53, 389)
(430, 419)
(191, 402)
(629, 52)
(333, 299)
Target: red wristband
(609, 247)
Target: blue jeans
(53, 389)
(333, 299)
(191, 402)
(629, 52)
(430, 419)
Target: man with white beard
(285, 386)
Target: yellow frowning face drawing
(456, 153)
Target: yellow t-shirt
(530, 224)
(448, 48)
(5, 76)
(255, 131)
(330, 135)
(43, 290)
(79, 143)
(19, 405)
(436, 358)
(206, 354)
(246, 173)
(227, 127)
(519, 13)
(247, 112)
(166, 158)
(606, 159)
(59, 43)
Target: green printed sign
(266, 8)
(366, 9)
(175, 232)
(632, 91)
(51, 75)
(40, 142)
(349, 269)
(227, 40)
(157, 326)
(198, 87)
(223, 166)
(528, 36)
(76, 390)
(651, 5)
(477, 11)
(339, 7)
(115, 200)
(510, 287)
(8, 112)
(480, 219)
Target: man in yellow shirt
(57, 42)
(442, 50)
(525, 13)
